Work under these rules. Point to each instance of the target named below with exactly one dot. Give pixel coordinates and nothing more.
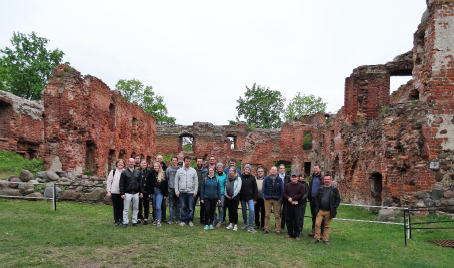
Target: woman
(222, 177)
(210, 196)
(160, 192)
(232, 199)
(113, 191)
(145, 181)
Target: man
(141, 207)
(232, 163)
(130, 189)
(272, 194)
(260, 205)
(186, 185)
(159, 159)
(174, 202)
(328, 199)
(137, 161)
(248, 197)
(293, 194)
(304, 200)
(212, 163)
(315, 181)
(285, 179)
(180, 160)
(201, 174)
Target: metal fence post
(54, 198)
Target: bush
(12, 163)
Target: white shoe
(235, 228)
(191, 224)
(230, 226)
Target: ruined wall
(87, 126)
(21, 125)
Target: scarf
(230, 186)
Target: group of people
(224, 189)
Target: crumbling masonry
(390, 149)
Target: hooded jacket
(248, 188)
(186, 181)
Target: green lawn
(83, 235)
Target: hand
(123, 197)
(149, 195)
(141, 195)
(169, 191)
(255, 202)
(195, 195)
(294, 203)
(165, 197)
(202, 201)
(178, 195)
(290, 200)
(109, 194)
(219, 201)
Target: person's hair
(317, 165)
(214, 169)
(161, 176)
(281, 165)
(173, 158)
(136, 156)
(142, 160)
(199, 158)
(181, 154)
(236, 172)
(212, 156)
(116, 162)
(232, 160)
(301, 175)
(327, 174)
(186, 157)
(257, 170)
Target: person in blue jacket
(210, 196)
(272, 190)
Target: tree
(134, 91)
(24, 70)
(261, 107)
(304, 105)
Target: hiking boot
(251, 230)
(326, 242)
(315, 240)
(139, 220)
(245, 227)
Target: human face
(143, 164)
(327, 181)
(220, 168)
(211, 171)
(294, 179)
(260, 173)
(199, 163)
(231, 172)
(131, 162)
(282, 169)
(316, 169)
(212, 161)
(120, 165)
(302, 178)
(159, 158)
(187, 163)
(156, 166)
(180, 157)
(231, 163)
(174, 162)
(137, 159)
(273, 171)
(247, 171)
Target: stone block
(4, 184)
(26, 175)
(48, 192)
(62, 174)
(385, 214)
(25, 189)
(70, 195)
(34, 195)
(96, 194)
(10, 192)
(422, 195)
(437, 194)
(42, 174)
(52, 176)
(449, 194)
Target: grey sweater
(186, 181)
(171, 172)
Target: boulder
(4, 184)
(96, 194)
(40, 180)
(79, 188)
(26, 175)
(42, 174)
(26, 188)
(64, 181)
(52, 176)
(385, 214)
(48, 192)
(449, 194)
(70, 195)
(10, 192)
(62, 174)
(437, 194)
(13, 179)
(422, 195)
(447, 202)
(84, 177)
(33, 182)
(34, 195)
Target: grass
(12, 163)
(83, 235)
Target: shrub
(12, 163)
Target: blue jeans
(174, 206)
(250, 204)
(221, 209)
(187, 204)
(157, 202)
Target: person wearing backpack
(113, 191)
(210, 196)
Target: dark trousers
(260, 213)
(144, 204)
(202, 211)
(209, 205)
(283, 207)
(232, 206)
(293, 218)
(117, 203)
(303, 213)
(314, 215)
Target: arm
(109, 183)
(196, 182)
(306, 192)
(336, 196)
(285, 193)
(254, 190)
(263, 189)
(237, 188)
(122, 185)
(202, 191)
(218, 186)
(177, 179)
(282, 189)
(165, 193)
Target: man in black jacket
(327, 201)
(130, 189)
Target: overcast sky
(200, 55)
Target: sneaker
(245, 227)
(116, 223)
(315, 240)
(211, 227)
(297, 239)
(235, 228)
(124, 226)
(169, 222)
(158, 224)
(311, 234)
(326, 242)
(191, 224)
(206, 227)
(145, 222)
(265, 232)
(278, 233)
(135, 224)
(139, 220)
(182, 223)
(251, 230)
(230, 226)
(219, 224)
(155, 222)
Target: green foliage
(88, 172)
(40, 187)
(166, 158)
(307, 140)
(288, 166)
(304, 105)
(232, 122)
(134, 91)
(261, 107)
(383, 110)
(251, 126)
(25, 69)
(12, 163)
(187, 147)
(238, 164)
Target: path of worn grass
(83, 235)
